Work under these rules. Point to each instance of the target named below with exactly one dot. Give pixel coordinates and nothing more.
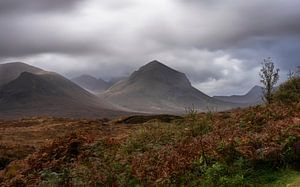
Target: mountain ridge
(48, 93)
(252, 97)
(10, 71)
(159, 88)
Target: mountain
(253, 97)
(114, 80)
(91, 83)
(48, 93)
(11, 71)
(158, 88)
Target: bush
(288, 92)
(292, 151)
(220, 174)
(56, 179)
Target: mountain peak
(255, 89)
(154, 65)
(17, 65)
(156, 72)
(155, 62)
(156, 68)
(10, 71)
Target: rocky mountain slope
(156, 87)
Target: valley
(157, 150)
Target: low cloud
(218, 44)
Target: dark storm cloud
(226, 24)
(218, 44)
(29, 6)
(31, 27)
(27, 38)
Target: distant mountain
(91, 83)
(47, 93)
(11, 71)
(253, 97)
(156, 87)
(114, 80)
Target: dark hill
(11, 71)
(51, 94)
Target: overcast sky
(219, 44)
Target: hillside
(11, 71)
(47, 93)
(91, 84)
(253, 146)
(158, 88)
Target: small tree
(269, 77)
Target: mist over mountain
(253, 97)
(156, 87)
(48, 93)
(91, 83)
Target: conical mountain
(91, 83)
(11, 71)
(47, 93)
(156, 87)
(252, 97)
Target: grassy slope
(248, 147)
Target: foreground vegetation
(245, 147)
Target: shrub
(53, 178)
(220, 174)
(292, 151)
(227, 151)
(149, 138)
(288, 92)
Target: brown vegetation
(97, 152)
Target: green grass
(286, 177)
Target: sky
(218, 44)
